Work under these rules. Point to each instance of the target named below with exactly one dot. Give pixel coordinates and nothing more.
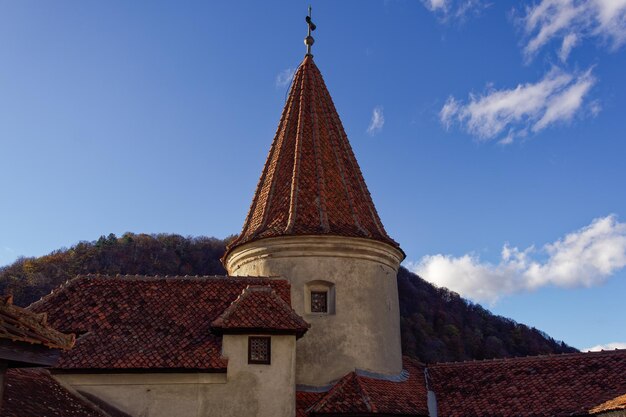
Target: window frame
(319, 286)
(268, 340)
(326, 299)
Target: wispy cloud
(447, 9)
(528, 108)
(435, 5)
(583, 258)
(283, 79)
(571, 21)
(569, 42)
(377, 122)
(608, 346)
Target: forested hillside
(437, 324)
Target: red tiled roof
(540, 386)
(260, 309)
(311, 183)
(137, 322)
(33, 392)
(20, 325)
(357, 394)
(305, 400)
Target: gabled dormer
(259, 331)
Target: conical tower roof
(311, 183)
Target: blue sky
(479, 125)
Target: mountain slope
(437, 324)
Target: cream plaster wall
(364, 331)
(615, 413)
(245, 390)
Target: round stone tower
(313, 222)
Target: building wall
(614, 413)
(245, 390)
(364, 331)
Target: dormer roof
(260, 310)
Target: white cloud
(608, 346)
(531, 106)
(564, 104)
(569, 41)
(573, 20)
(283, 79)
(435, 5)
(583, 258)
(377, 122)
(612, 20)
(454, 8)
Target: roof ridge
(293, 197)
(276, 145)
(341, 166)
(530, 358)
(66, 284)
(147, 278)
(319, 168)
(366, 397)
(331, 392)
(142, 277)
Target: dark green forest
(437, 324)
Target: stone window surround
(320, 286)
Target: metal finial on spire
(309, 41)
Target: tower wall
(362, 328)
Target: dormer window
(319, 301)
(259, 350)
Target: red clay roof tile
(33, 392)
(540, 386)
(260, 309)
(305, 400)
(20, 325)
(357, 394)
(311, 183)
(136, 322)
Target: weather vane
(309, 41)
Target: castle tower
(312, 221)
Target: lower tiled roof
(151, 323)
(20, 325)
(305, 400)
(33, 392)
(540, 386)
(357, 394)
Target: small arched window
(319, 297)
